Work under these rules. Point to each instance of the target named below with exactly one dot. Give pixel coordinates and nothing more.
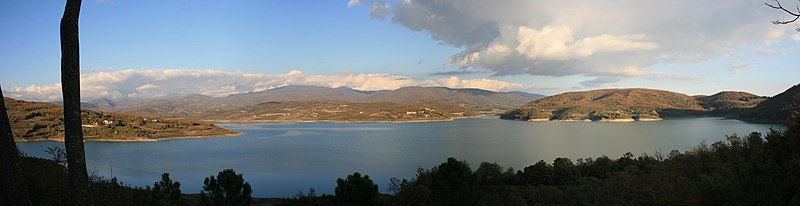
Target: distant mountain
(607, 104)
(297, 93)
(730, 101)
(340, 111)
(476, 98)
(776, 109)
(201, 106)
(101, 103)
(531, 95)
(44, 121)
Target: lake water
(284, 158)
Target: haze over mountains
(389, 105)
(198, 106)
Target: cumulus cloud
(380, 10)
(481, 83)
(177, 82)
(604, 38)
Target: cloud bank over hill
(176, 82)
(605, 39)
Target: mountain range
(204, 107)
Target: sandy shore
(538, 120)
(649, 119)
(574, 120)
(617, 120)
(138, 139)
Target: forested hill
(606, 104)
(44, 121)
(776, 109)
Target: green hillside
(776, 109)
(44, 121)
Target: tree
(778, 6)
(166, 192)
(13, 188)
(563, 171)
(452, 183)
(59, 155)
(226, 189)
(540, 173)
(71, 90)
(356, 190)
(489, 173)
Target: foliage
(166, 192)
(58, 153)
(776, 109)
(226, 189)
(47, 184)
(356, 190)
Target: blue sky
(146, 48)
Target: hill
(607, 104)
(340, 111)
(776, 109)
(206, 107)
(44, 121)
(729, 103)
(470, 97)
(297, 93)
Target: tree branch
(778, 6)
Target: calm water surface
(282, 159)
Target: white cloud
(380, 10)
(738, 67)
(559, 43)
(481, 83)
(176, 82)
(352, 3)
(589, 37)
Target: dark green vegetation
(356, 190)
(46, 181)
(777, 108)
(166, 192)
(44, 121)
(635, 104)
(226, 189)
(313, 103)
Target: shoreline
(623, 120)
(229, 134)
(339, 121)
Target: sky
(168, 48)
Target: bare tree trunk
(13, 188)
(71, 89)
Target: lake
(280, 159)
